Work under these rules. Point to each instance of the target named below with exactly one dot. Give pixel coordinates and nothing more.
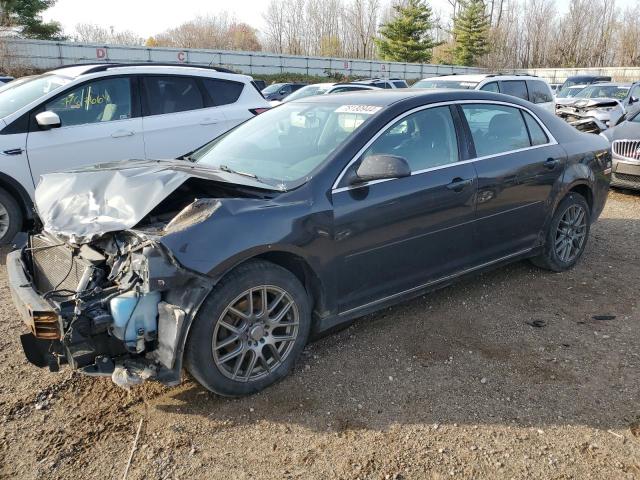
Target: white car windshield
(457, 84)
(308, 91)
(286, 144)
(21, 92)
(604, 91)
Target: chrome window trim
(550, 137)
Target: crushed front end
(115, 306)
(591, 115)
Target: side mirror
(282, 91)
(48, 120)
(633, 100)
(380, 167)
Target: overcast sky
(147, 17)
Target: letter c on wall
(181, 56)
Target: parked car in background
(279, 91)
(625, 145)
(317, 212)
(5, 79)
(324, 89)
(87, 114)
(527, 87)
(381, 82)
(581, 80)
(555, 87)
(309, 91)
(599, 106)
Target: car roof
(75, 71)
(610, 84)
(386, 97)
(478, 77)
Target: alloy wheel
(571, 233)
(255, 333)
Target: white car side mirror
(48, 120)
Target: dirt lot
(457, 384)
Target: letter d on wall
(101, 53)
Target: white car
(527, 87)
(88, 114)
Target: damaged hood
(82, 204)
(591, 103)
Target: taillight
(258, 111)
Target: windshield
(273, 88)
(571, 92)
(308, 91)
(564, 89)
(21, 92)
(285, 144)
(604, 91)
(459, 84)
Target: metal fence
(559, 75)
(46, 55)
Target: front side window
(496, 128)
(425, 139)
(539, 92)
(273, 88)
(104, 100)
(171, 94)
(515, 88)
(604, 91)
(635, 92)
(21, 92)
(286, 144)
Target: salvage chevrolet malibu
(228, 260)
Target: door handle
(551, 163)
(13, 151)
(122, 133)
(458, 184)
(209, 121)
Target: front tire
(249, 331)
(567, 235)
(11, 218)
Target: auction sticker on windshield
(368, 109)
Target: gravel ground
(505, 375)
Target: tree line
(497, 34)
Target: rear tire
(567, 235)
(249, 331)
(11, 218)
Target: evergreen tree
(26, 15)
(470, 32)
(407, 38)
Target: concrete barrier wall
(47, 55)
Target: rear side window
(491, 87)
(539, 92)
(171, 94)
(515, 88)
(400, 84)
(382, 85)
(496, 128)
(538, 137)
(222, 92)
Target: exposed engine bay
(119, 302)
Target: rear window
(515, 88)
(539, 92)
(222, 92)
(171, 94)
(496, 128)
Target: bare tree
(89, 33)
